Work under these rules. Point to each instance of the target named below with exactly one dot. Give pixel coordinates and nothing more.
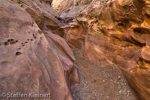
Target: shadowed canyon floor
(100, 82)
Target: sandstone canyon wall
(34, 39)
(116, 32)
(32, 58)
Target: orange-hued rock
(33, 59)
(35, 56)
(116, 32)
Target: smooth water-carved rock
(32, 61)
(34, 57)
(115, 32)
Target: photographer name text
(29, 95)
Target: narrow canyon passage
(74, 49)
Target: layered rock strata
(116, 32)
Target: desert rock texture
(50, 46)
(32, 58)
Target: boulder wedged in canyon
(115, 32)
(33, 59)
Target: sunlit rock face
(116, 32)
(64, 7)
(34, 38)
(32, 57)
(56, 4)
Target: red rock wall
(117, 33)
(32, 58)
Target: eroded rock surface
(33, 59)
(62, 6)
(116, 32)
